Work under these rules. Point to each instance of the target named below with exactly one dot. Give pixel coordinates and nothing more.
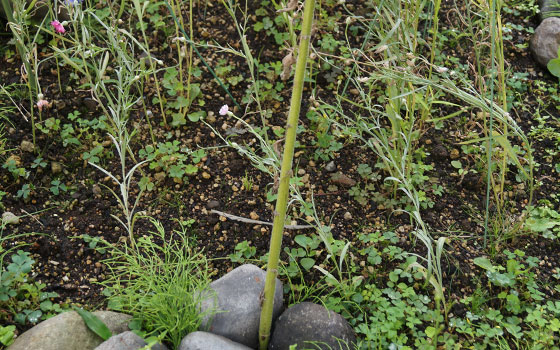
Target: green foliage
(7, 334)
(176, 161)
(554, 65)
(57, 186)
(94, 243)
(271, 26)
(544, 220)
(93, 155)
(303, 256)
(25, 191)
(511, 306)
(243, 251)
(160, 276)
(21, 298)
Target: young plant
(152, 278)
(284, 180)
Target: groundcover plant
(423, 196)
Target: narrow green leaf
(94, 323)
(504, 142)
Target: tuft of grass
(161, 281)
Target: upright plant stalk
(492, 5)
(285, 174)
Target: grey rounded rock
(209, 341)
(127, 341)
(312, 326)
(69, 332)
(545, 41)
(237, 303)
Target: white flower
(224, 110)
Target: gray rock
(549, 8)
(68, 331)
(9, 218)
(545, 41)
(312, 326)
(127, 341)
(209, 341)
(330, 167)
(27, 146)
(237, 303)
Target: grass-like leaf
(94, 323)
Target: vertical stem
(492, 9)
(285, 174)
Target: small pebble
(159, 176)
(330, 167)
(10, 218)
(213, 204)
(347, 216)
(27, 146)
(454, 153)
(56, 167)
(341, 179)
(96, 190)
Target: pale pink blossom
(224, 110)
(58, 27)
(43, 104)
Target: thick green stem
(284, 181)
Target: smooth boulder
(127, 341)
(546, 40)
(236, 301)
(69, 332)
(209, 341)
(312, 326)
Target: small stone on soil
(27, 146)
(10, 218)
(330, 167)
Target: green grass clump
(159, 280)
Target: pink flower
(224, 110)
(58, 27)
(43, 104)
